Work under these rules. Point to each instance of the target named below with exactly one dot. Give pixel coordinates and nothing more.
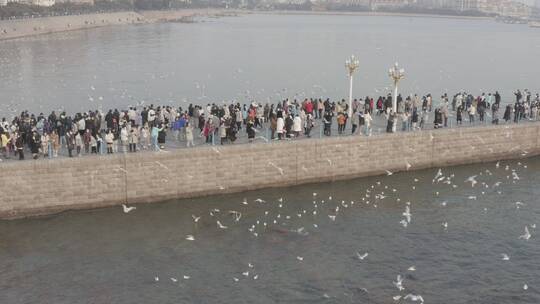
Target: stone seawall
(48, 186)
(10, 29)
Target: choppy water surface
(106, 256)
(263, 57)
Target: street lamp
(396, 74)
(351, 64)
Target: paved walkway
(263, 135)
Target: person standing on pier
(109, 140)
(507, 113)
(55, 143)
(390, 121)
(472, 113)
(280, 126)
(414, 119)
(354, 121)
(495, 114)
(368, 119)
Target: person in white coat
(297, 126)
(368, 120)
(189, 135)
(279, 127)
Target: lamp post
(351, 64)
(396, 74)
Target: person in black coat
(507, 113)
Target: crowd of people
(148, 128)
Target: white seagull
(221, 226)
(472, 180)
(399, 283)
(414, 298)
(128, 209)
(527, 234)
(407, 214)
(363, 256)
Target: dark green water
(106, 256)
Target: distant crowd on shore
(146, 128)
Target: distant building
(43, 2)
(90, 2)
(376, 4)
(504, 8)
(3, 2)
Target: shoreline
(21, 28)
(370, 14)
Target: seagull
(246, 273)
(396, 298)
(363, 256)
(187, 277)
(404, 223)
(525, 287)
(389, 173)
(174, 280)
(300, 258)
(128, 209)
(439, 174)
(443, 204)
(162, 165)
(156, 279)
(505, 257)
(414, 298)
(472, 180)
(278, 168)
(527, 234)
(472, 197)
(332, 217)
(515, 176)
(445, 225)
(407, 214)
(412, 268)
(518, 204)
(221, 225)
(408, 166)
(497, 165)
(190, 237)
(399, 283)
(244, 202)
(260, 201)
(255, 276)
(195, 218)
(235, 279)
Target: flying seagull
(128, 209)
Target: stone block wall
(50, 186)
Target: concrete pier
(48, 186)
